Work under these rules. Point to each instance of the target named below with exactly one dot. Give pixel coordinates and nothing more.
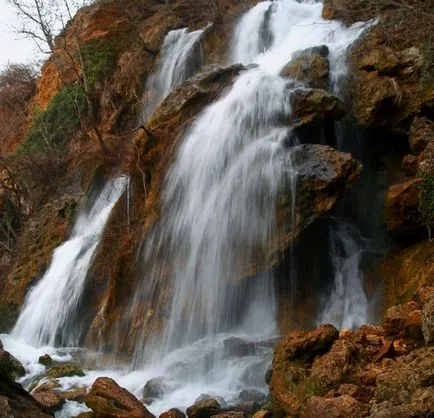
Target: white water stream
(218, 206)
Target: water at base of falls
(218, 206)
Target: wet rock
(50, 399)
(396, 318)
(237, 347)
(10, 366)
(65, 370)
(204, 409)
(315, 105)
(421, 134)
(402, 209)
(106, 398)
(247, 407)
(428, 322)
(405, 376)
(251, 395)
(172, 413)
(155, 388)
(341, 407)
(309, 66)
(45, 360)
(205, 396)
(230, 414)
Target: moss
(100, 58)
(426, 200)
(53, 127)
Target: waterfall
(346, 305)
(180, 58)
(48, 314)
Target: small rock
(237, 347)
(396, 317)
(255, 395)
(45, 360)
(154, 388)
(172, 413)
(106, 398)
(248, 408)
(428, 322)
(204, 409)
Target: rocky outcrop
(329, 374)
(391, 84)
(107, 399)
(14, 400)
(402, 209)
(310, 66)
(310, 106)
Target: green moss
(53, 127)
(426, 201)
(100, 58)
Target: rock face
(363, 373)
(107, 399)
(402, 209)
(309, 66)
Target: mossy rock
(65, 370)
(45, 360)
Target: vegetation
(100, 58)
(426, 201)
(53, 127)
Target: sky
(13, 48)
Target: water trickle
(346, 306)
(48, 314)
(181, 57)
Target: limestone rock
(421, 134)
(341, 407)
(428, 322)
(204, 409)
(65, 370)
(315, 105)
(107, 399)
(309, 66)
(172, 413)
(402, 209)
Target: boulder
(310, 106)
(251, 395)
(10, 366)
(107, 399)
(204, 409)
(341, 407)
(397, 317)
(246, 407)
(154, 388)
(50, 399)
(237, 347)
(172, 413)
(402, 209)
(65, 370)
(428, 322)
(45, 360)
(310, 67)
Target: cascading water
(48, 314)
(218, 209)
(181, 57)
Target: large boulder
(10, 367)
(310, 66)
(340, 407)
(107, 399)
(315, 105)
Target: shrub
(54, 126)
